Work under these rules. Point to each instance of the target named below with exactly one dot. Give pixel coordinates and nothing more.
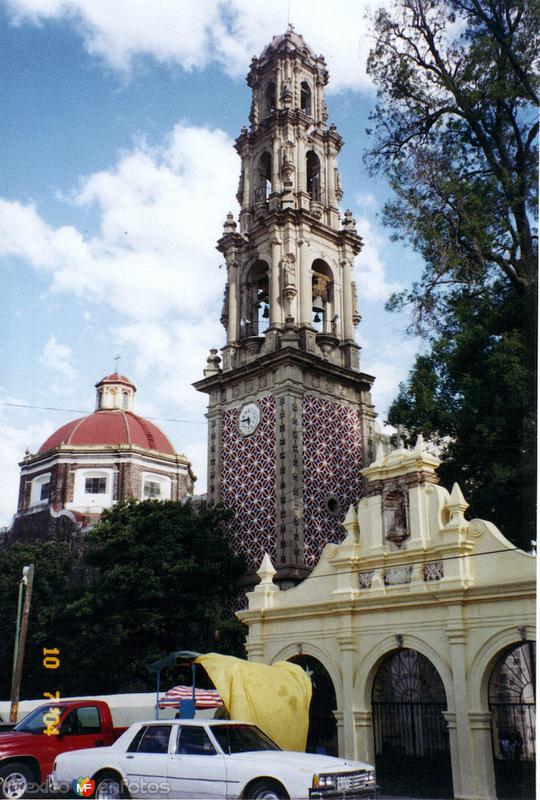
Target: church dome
(290, 40)
(112, 423)
(108, 428)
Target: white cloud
(160, 212)
(369, 265)
(15, 438)
(194, 35)
(58, 358)
(366, 200)
(153, 265)
(385, 388)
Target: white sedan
(210, 759)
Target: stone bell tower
(290, 414)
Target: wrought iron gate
(412, 750)
(512, 693)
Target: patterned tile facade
(332, 450)
(248, 485)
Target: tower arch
(305, 98)
(313, 175)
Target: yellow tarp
(276, 697)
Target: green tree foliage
(165, 580)
(53, 562)
(156, 577)
(474, 394)
(455, 131)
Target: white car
(211, 759)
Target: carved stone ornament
(395, 513)
(224, 319)
(288, 271)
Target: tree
(52, 590)
(455, 131)
(164, 579)
(474, 394)
(155, 577)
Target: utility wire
(413, 563)
(85, 411)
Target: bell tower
(290, 414)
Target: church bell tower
(290, 414)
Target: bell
(265, 313)
(317, 317)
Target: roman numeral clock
(290, 417)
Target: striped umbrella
(204, 698)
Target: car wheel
(266, 789)
(14, 780)
(109, 786)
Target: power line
(85, 411)
(424, 562)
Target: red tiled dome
(115, 377)
(110, 428)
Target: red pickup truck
(28, 751)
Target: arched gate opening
(322, 734)
(412, 749)
(512, 702)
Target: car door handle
(130, 756)
(99, 742)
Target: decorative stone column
(340, 734)
(480, 724)
(232, 325)
(273, 283)
(464, 777)
(348, 326)
(363, 723)
(347, 646)
(305, 284)
(450, 718)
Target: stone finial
(348, 222)
(229, 226)
(266, 573)
(420, 444)
(456, 505)
(352, 526)
(212, 363)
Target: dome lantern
(115, 391)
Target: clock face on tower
(249, 418)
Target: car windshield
(35, 722)
(242, 738)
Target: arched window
(321, 287)
(270, 99)
(305, 98)
(264, 188)
(313, 173)
(125, 400)
(256, 314)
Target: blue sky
(118, 169)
